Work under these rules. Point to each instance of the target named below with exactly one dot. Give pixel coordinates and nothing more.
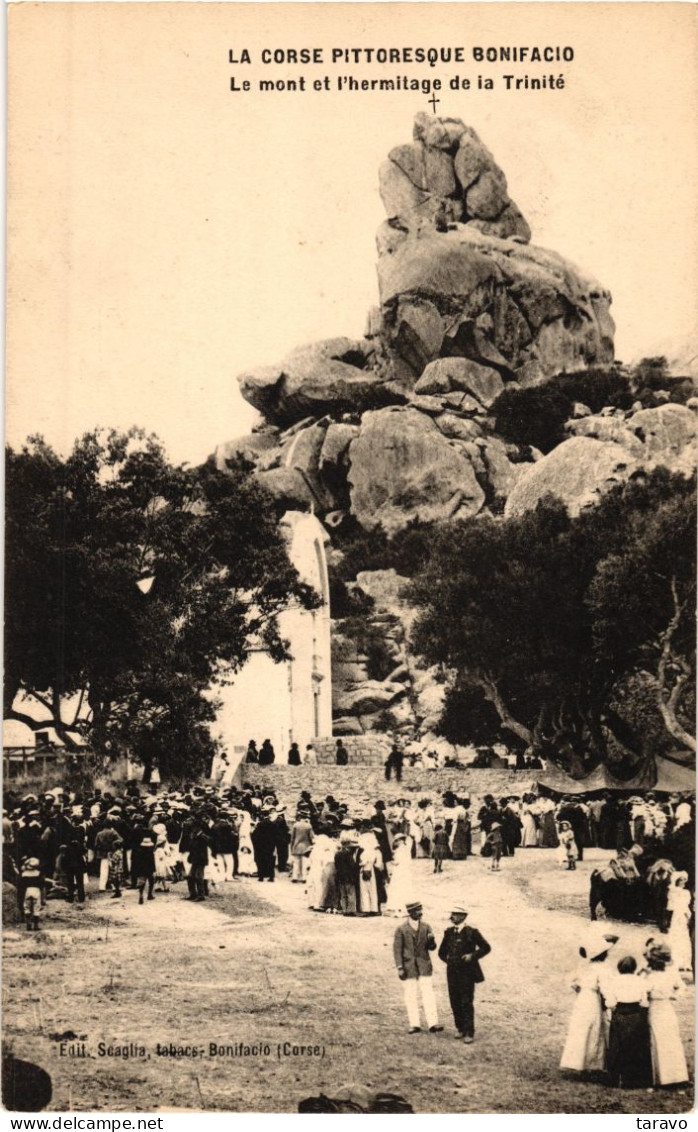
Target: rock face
(397, 426)
(467, 306)
(402, 467)
(525, 312)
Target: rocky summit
(394, 426)
(401, 424)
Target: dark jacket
(411, 949)
(456, 945)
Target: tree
(133, 586)
(548, 617)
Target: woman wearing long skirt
(529, 832)
(401, 886)
(663, 988)
(585, 1047)
(629, 1059)
(461, 837)
(679, 938)
(370, 860)
(321, 854)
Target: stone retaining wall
(357, 785)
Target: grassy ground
(254, 967)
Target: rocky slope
(397, 425)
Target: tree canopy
(132, 587)
(549, 617)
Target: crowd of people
(354, 860)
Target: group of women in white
(623, 1021)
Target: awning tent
(655, 774)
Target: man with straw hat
(461, 950)
(411, 946)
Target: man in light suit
(413, 941)
(461, 950)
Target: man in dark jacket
(263, 838)
(461, 950)
(198, 859)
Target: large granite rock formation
(395, 426)
(398, 425)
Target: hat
(660, 952)
(416, 907)
(33, 863)
(565, 825)
(595, 944)
(459, 909)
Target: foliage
(545, 615)
(132, 586)
(469, 717)
(406, 551)
(536, 417)
(370, 640)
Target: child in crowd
(629, 1055)
(32, 885)
(568, 847)
(495, 841)
(440, 849)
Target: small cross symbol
(434, 101)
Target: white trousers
(412, 987)
(226, 860)
(103, 874)
(298, 867)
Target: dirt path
(255, 971)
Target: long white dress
(322, 852)
(678, 937)
(585, 1048)
(370, 859)
(247, 866)
(529, 833)
(668, 1058)
(401, 890)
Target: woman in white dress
(370, 859)
(529, 832)
(678, 938)
(247, 866)
(585, 1047)
(664, 986)
(401, 888)
(321, 854)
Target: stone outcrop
(402, 467)
(523, 311)
(399, 425)
(394, 426)
(576, 472)
(606, 449)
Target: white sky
(164, 234)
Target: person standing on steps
(461, 950)
(413, 942)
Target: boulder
(457, 428)
(446, 375)
(288, 488)
(346, 725)
(371, 696)
(577, 472)
(402, 468)
(331, 376)
(501, 474)
(522, 311)
(250, 447)
(668, 433)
